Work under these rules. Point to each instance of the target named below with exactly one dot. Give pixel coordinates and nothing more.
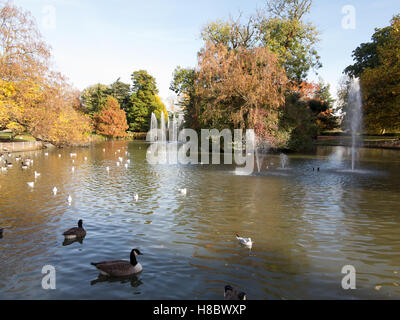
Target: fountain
(153, 128)
(284, 160)
(172, 130)
(354, 107)
(262, 149)
(163, 129)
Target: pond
(306, 226)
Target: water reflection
(306, 225)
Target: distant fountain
(354, 107)
(262, 149)
(284, 160)
(153, 128)
(172, 130)
(163, 130)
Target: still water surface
(305, 225)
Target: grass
(6, 137)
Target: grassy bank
(385, 142)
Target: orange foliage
(111, 120)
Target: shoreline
(374, 143)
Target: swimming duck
(118, 164)
(73, 155)
(55, 191)
(31, 184)
(183, 191)
(24, 166)
(3, 169)
(108, 169)
(69, 199)
(126, 165)
(46, 154)
(75, 233)
(244, 241)
(233, 294)
(136, 197)
(37, 174)
(73, 169)
(9, 164)
(120, 268)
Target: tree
(377, 64)
(284, 32)
(144, 101)
(381, 85)
(122, 92)
(111, 120)
(34, 98)
(95, 97)
(240, 89)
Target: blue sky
(99, 41)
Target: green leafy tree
(144, 101)
(122, 92)
(377, 64)
(94, 98)
(283, 30)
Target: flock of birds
(117, 268)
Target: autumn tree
(241, 88)
(111, 120)
(34, 98)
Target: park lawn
(6, 137)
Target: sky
(99, 41)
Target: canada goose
(24, 166)
(136, 197)
(9, 164)
(69, 199)
(183, 191)
(31, 184)
(233, 294)
(120, 268)
(244, 241)
(55, 191)
(74, 233)
(18, 158)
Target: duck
(37, 174)
(55, 191)
(9, 164)
(24, 166)
(85, 158)
(118, 164)
(59, 155)
(128, 161)
(3, 169)
(18, 158)
(233, 294)
(73, 169)
(244, 241)
(120, 268)
(31, 184)
(69, 199)
(183, 191)
(75, 233)
(126, 165)
(136, 197)
(46, 154)
(108, 169)
(121, 159)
